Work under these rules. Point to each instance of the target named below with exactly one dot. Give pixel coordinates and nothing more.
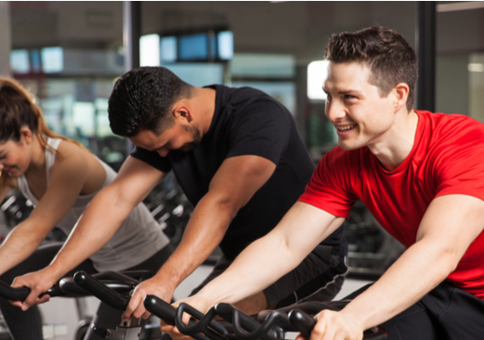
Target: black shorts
(446, 313)
(318, 277)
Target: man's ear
(182, 112)
(25, 135)
(401, 91)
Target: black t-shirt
(246, 121)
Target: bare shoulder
(68, 148)
(72, 155)
(77, 162)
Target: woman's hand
(38, 282)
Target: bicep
(304, 226)
(134, 181)
(452, 221)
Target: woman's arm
(67, 178)
(101, 219)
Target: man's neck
(203, 101)
(397, 143)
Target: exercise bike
(113, 288)
(119, 283)
(236, 325)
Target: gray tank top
(138, 238)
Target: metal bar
(426, 37)
(131, 33)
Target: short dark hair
(142, 99)
(387, 54)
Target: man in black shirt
(237, 155)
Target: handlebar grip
(160, 308)
(301, 322)
(226, 311)
(165, 312)
(21, 293)
(100, 291)
(245, 327)
(205, 323)
(13, 294)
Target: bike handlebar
(114, 291)
(13, 294)
(244, 327)
(101, 291)
(119, 282)
(167, 313)
(21, 293)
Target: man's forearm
(404, 284)
(270, 257)
(203, 234)
(259, 265)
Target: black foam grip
(302, 322)
(160, 308)
(103, 293)
(226, 311)
(13, 294)
(165, 312)
(205, 323)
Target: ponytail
(17, 109)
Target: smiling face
(15, 156)
(354, 106)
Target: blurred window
(168, 49)
(68, 54)
(317, 74)
(476, 85)
(149, 46)
(260, 65)
(52, 59)
(193, 47)
(19, 61)
(226, 45)
(198, 74)
(460, 60)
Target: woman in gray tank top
(60, 177)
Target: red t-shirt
(447, 158)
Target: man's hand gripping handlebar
(237, 325)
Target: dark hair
(17, 109)
(387, 54)
(142, 99)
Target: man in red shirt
(420, 174)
